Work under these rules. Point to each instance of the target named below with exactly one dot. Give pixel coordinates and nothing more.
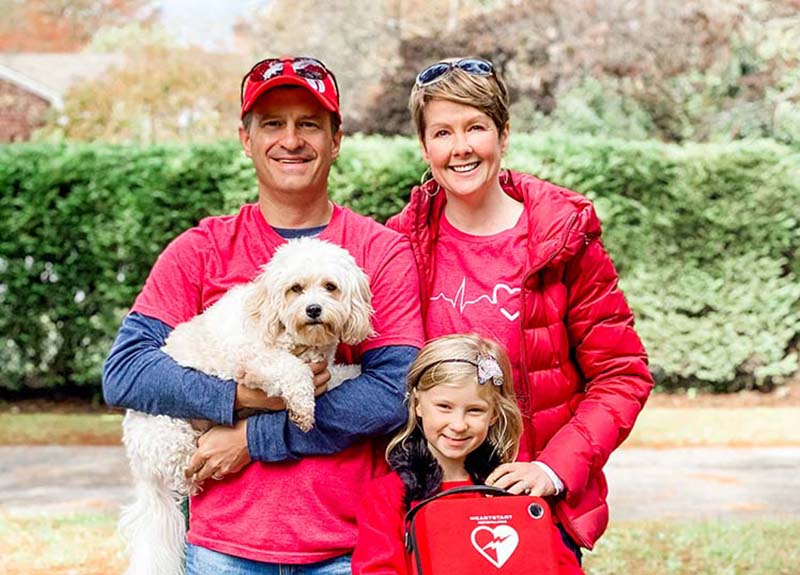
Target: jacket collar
(421, 473)
(560, 222)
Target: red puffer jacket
(585, 367)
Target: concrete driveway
(704, 483)
(695, 483)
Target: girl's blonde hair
(454, 358)
(485, 93)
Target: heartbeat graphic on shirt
(458, 302)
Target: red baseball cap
(308, 73)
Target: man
(273, 494)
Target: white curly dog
(309, 297)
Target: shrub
(374, 175)
(705, 238)
(83, 225)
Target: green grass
(73, 544)
(721, 426)
(60, 428)
(757, 547)
(87, 544)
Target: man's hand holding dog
(248, 398)
(223, 450)
(220, 451)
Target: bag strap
(410, 538)
(484, 489)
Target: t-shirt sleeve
(395, 298)
(172, 292)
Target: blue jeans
(202, 561)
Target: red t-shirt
(293, 511)
(476, 289)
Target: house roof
(50, 75)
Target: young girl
(463, 421)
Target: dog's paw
(241, 374)
(302, 420)
(249, 378)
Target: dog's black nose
(314, 310)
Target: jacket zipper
(570, 224)
(532, 436)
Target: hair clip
(486, 364)
(489, 370)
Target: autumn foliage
(161, 94)
(61, 25)
(672, 70)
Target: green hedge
(707, 242)
(82, 226)
(705, 238)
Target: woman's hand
(522, 477)
(249, 398)
(220, 452)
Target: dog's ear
(273, 326)
(358, 327)
(262, 307)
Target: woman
(520, 260)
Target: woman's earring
(434, 193)
(427, 175)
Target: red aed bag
(504, 534)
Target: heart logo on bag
(495, 544)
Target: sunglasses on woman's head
(304, 67)
(472, 66)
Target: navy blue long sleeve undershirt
(138, 375)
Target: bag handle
(410, 540)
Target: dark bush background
(705, 238)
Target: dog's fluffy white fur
(309, 297)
